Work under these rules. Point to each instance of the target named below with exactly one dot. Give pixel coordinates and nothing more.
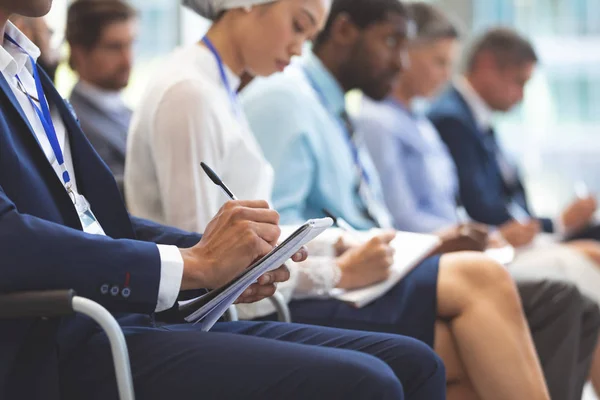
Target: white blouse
(186, 117)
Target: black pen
(217, 181)
(342, 224)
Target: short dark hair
(87, 18)
(431, 22)
(507, 45)
(363, 13)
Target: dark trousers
(590, 232)
(564, 325)
(408, 309)
(259, 360)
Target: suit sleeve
(149, 231)
(483, 202)
(42, 255)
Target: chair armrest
(281, 306)
(54, 303)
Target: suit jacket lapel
(470, 120)
(491, 155)
(94, 179)
(57, 187)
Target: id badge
(88, 220)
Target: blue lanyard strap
(232, 94)
(347, 125)
(43, 113)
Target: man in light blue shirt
(312, 149)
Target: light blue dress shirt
(416, 170)
(303, 136)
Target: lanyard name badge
(88, 220)
(372, 207)
(233, 98)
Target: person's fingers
(256, 246)
(258, 214)
(268, 232)
(389, 251)
(262, 291)
(246, 203)
(281, 274)
(478, 237)
(387, 236)
(301, 255)
(249, 292)
(389, 261)
(256, 292)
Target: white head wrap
(212, 8)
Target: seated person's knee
(478, 273)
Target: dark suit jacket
(43, 247)
(107, 131)
(483, 191)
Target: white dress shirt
(186, 117)
(14, 62)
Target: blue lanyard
(232, 94)
(345, 127)
(44, 115)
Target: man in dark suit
(101, 36)
(63, 225)
(499, 65)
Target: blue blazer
(42, 246)
(483, 191)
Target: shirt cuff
(171, 273)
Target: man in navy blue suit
(499, 65)
(63, 225)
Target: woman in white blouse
(190, 114)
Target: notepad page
(411, 249)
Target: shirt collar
(12, 59)
(324, 83)
(104, 99)
(390, 100)
(481, 111)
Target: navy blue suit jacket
(483, 191)
(42, 246)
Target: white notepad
(210, 307)
(411, 249)
(502, 255)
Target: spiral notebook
(206, 310)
